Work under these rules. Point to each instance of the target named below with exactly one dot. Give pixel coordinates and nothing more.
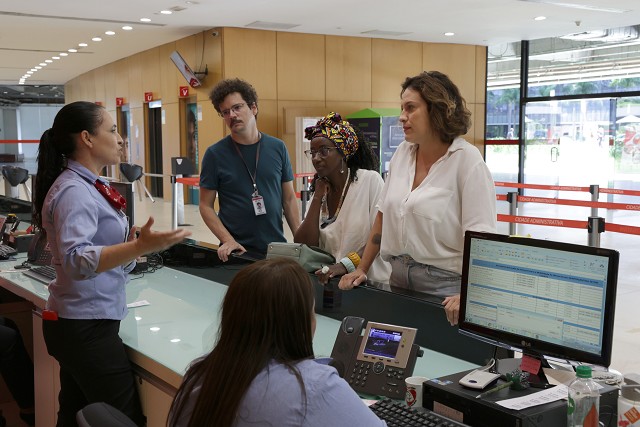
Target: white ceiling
(32, 31)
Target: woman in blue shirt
(261, 371)
(93, 251)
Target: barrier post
(595, 226)
(304, 195)
(512, 198)
(174, 202)
(595, 195)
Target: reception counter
(178, 321)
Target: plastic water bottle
(584, 400)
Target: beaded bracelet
(348, 264)
(355, 258)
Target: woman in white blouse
(437, 188)
(346, 189)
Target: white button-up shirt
(429, 222)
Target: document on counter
(140, 303)
(534, 399)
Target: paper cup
(413, 396)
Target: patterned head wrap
(339, 131)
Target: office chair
(134, 173)
(102, 414)
(15, 176)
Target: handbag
(311, 258)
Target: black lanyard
(255, 173)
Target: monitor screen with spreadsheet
(543, 297)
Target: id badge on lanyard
(258, 203)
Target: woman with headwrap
(345, 189)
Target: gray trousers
(410, 274)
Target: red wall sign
(148, 96)
(184, 91)
(119, 102)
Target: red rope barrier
(619, 228)
(195, 181)
(553, 222)
(302, 175)
(501, 197)
(24, 141)
(541, 187)
(616, 191)
(590, 204)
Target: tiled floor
(627, 326)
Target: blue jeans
(410, 274)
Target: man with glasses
(250, 172)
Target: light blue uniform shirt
(274, 398)
(79, 222)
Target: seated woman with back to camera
(261, 371)
(345, 189)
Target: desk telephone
(39, 252)
(378, 361)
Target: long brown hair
(58, 143)
(267, 314)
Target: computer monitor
(542, 297)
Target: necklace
(324, 209)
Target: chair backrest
(15, 175)
(102, 414)
(131, 171)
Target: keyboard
(44, 274)
(6, 251)
(397, 414)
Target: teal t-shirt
(225, 172)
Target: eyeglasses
(235, 108)
(322, 152)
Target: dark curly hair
(447, 109)
(363, 158)
(229, 86)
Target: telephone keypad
(360, 373)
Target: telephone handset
(378, 361)
(39, 252)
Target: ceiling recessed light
(72, 50)
(127, 28)
(539, 18)
(145, 20)
(43, 64)
(29, 72)
(449, 34)
(55, 57)
(48, 61)
(64, 54)
(166, 12)
(38, 67)
(96, 39)
(175, 340)
(83, 44)
(110, 33)
(33, 69)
